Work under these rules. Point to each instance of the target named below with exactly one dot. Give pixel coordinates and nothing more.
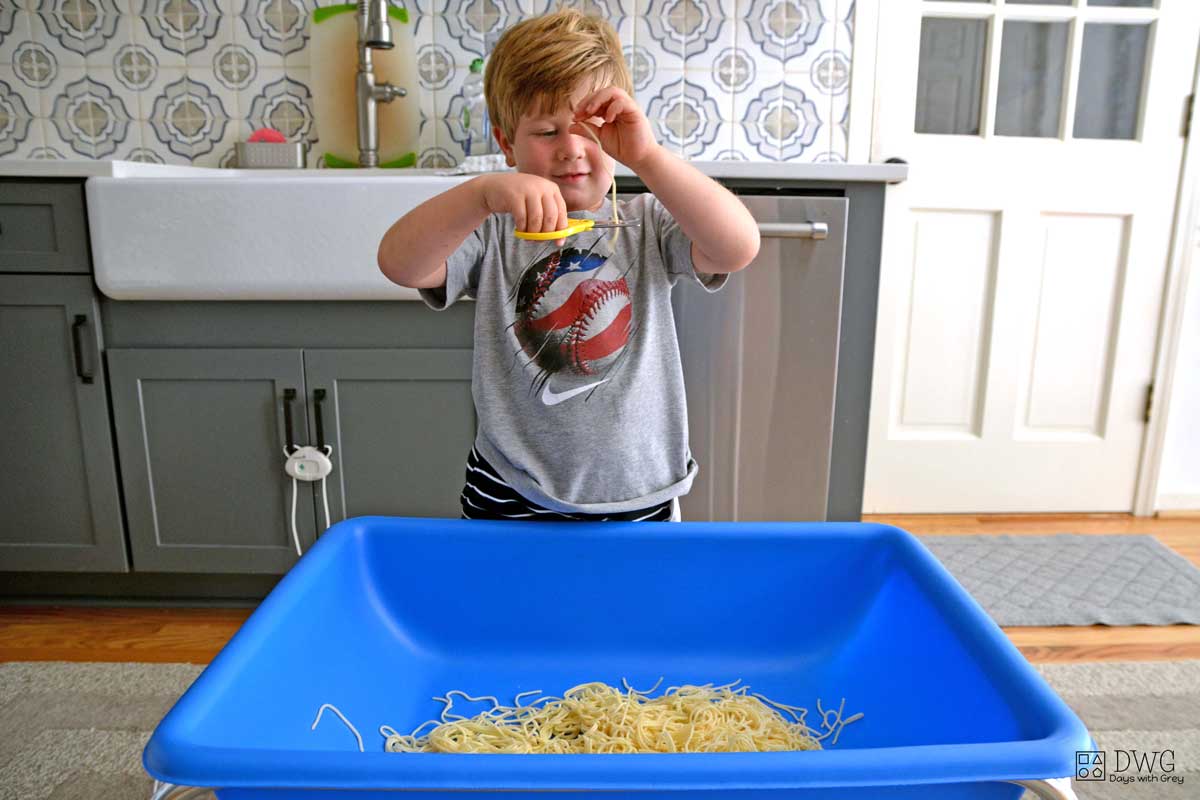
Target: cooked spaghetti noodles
(597, 718)
(616, 216)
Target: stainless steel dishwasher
(760, 361)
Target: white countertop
(768, 170)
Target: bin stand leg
(169, 791)
(1051, 788)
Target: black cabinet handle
(318, 399)
(77, 341)
(289, 397)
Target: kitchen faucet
(374, 33)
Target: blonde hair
(539, 62)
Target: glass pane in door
(1041, 2)
(950, 76)
(1110, 80)
(1033, 57)
(1121, 3)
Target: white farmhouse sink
(250, 234)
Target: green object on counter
(325, 12)
(406, 160)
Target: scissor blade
(621, 224)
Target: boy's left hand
(626, 134)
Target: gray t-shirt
(577, 380)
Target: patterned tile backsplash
(181, 81)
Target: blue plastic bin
(385, 613)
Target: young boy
(577, 380)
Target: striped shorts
(487, 496)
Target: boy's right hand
(535, 203)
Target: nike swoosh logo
(554, 398)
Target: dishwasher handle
(794, 230)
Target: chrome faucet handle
(386, 92)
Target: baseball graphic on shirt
(573, 319)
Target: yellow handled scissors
(575, 226)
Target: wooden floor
(195, 635)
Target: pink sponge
(267, 135)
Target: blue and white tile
(232, 66)
(166, 48)
(661, 104)
(163, 77)
(65, 57)
(476, 24)
(279, 102)
(263, 77)
(88, 117)
(781, 29)
(750, 141)
(422, 28)
(302, 78)
(440, 35)
(135, 148)
(226, 97)
(150, 141)
(30, 96)
(63, 77)
(704, 69)
(666, 58)
(446, 143)
(18, 119)
(187, 116)
(212, 153)
(798, 125)
(14, 31)
(436, 157)
(34, 141)
(757, 80)
(427, 137)
(642, 64)
(279, 27)
(243, 37)
(80, 26)
(424, 7)
(204, 44)
(129, 99)
(699, 125)
(104, 57)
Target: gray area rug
(1070, 579)
(76, 731)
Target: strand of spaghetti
(616, 217)
(341, 716)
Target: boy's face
(542, 145)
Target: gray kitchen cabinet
(201, 436)
(400, 422)
(59, 503)
(43, 227)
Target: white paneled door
(1024, 258)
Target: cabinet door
(401, 423)
(201, 437)
(59, 509)
(43, 227)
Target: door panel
(1024, 258)
(400, 423)
(61, 510)
(202, 437)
